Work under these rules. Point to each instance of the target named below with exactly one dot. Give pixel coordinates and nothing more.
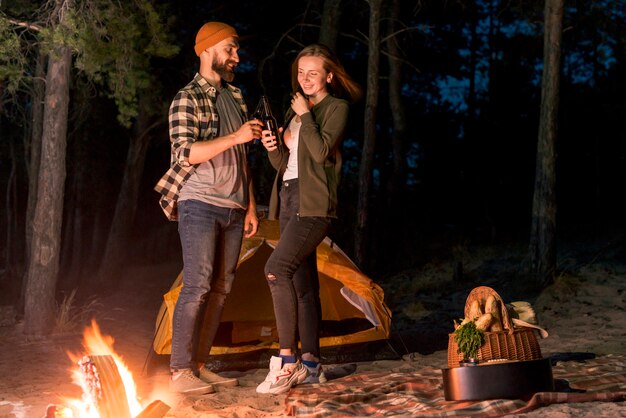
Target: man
(208, 190)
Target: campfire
(109, 390)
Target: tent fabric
(348, 297)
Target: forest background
(446, 151)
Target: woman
(308, 165)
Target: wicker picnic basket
(513, 343)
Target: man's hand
(250, 224)
(248, 131)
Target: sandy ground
(585, 313)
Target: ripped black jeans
(291, 272)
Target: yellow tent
(353, 309)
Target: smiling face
(312, 77)
(226, 58)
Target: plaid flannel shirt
(192, 117)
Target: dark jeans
(291, 272)
(211, 240)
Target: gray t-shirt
(223, 180)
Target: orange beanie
(211, 33)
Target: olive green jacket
(319, 159)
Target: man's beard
(225, 72)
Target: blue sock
(310, 364)
(288, 359)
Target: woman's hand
(268, 140)
(300, 104)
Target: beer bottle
(266, 116)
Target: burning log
(156, 409)
(104, 386)
(109, 389)
(106, 389)
(56, 411)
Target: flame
(97, 344)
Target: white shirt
(291, 141)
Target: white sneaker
(291, 374)
(315, 374)
(276, 363)
(215, 379)
(184, 381)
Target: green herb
(469, 338)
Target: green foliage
(117, 41)
(112, 42)
(469, 338)
(13, 62)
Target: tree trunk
(34, 145)
(474, 47)
(44, 258)
(120, 233)
(369, 140)
(398, 132)
(33, 162)
(10, 208)
(73, 247)
(542, 248)
(397, 180)
(329, 29)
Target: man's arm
(251, 221)
(202, 151)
